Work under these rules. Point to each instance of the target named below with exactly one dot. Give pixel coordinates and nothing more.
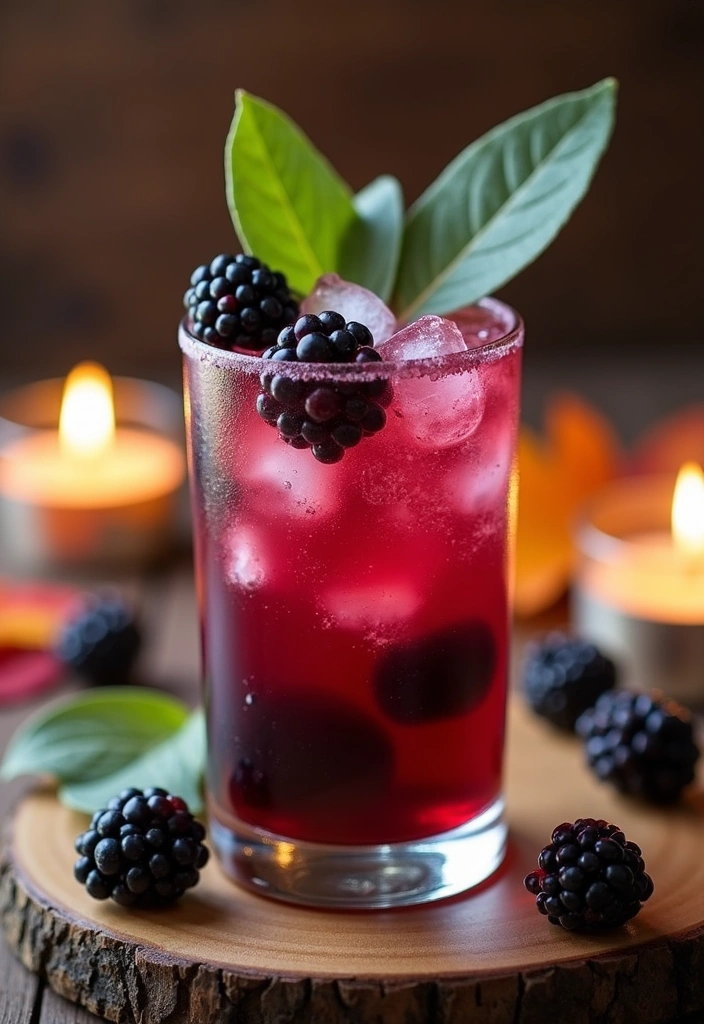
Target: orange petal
(585, 445)
(670, 444)
(579, 454)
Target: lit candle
(97, 489)
(688, 515)
(640, 581)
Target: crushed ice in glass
(429, 337)
(436, 413)
(354, 303)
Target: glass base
(363, 877)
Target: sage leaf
(372, 247)
(176, 764)
(93, 734)
(501, 202)
(288, 205)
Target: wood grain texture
(55, 1010)
(20, 991)
(226, 955)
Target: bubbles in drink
(381, 484)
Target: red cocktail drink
(355, 622)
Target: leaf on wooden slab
(93, 734)
(176, 765)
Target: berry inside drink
(354, 615)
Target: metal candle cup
(102, 492)
(640, 581)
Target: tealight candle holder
(639, 590)
(90, 473)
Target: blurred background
(113, 118)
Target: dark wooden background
(113, 116)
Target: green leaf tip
(501, 202)
(287, 203)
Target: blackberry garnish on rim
(238, 302)
(325, 416)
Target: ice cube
(245, 561)
(440, 413)
(354, 303)
(480, 483)
(427, 338)
(284, 481)
(435, 410)
(372, 605)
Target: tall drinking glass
(355, 623)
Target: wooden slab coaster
(225, 955)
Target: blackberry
(329, 755)
(563, 676)
(589, 877)
(144, 850)
(237, 302)
(641, 744)
(437, 676)
(102, 642)
(326, 416)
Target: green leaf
(92, 735)
(501, 202)
(176, 764)
(372, 248)
(287, 203)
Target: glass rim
(455, 362)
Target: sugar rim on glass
(456, 362)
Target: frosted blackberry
(563, 676)
(328, 417)
(238, 302)
(589, 877)
(102, 642)
(144, 850)
(642, 745)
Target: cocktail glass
(355, 622)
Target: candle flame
(87, 420)
(688, 510)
